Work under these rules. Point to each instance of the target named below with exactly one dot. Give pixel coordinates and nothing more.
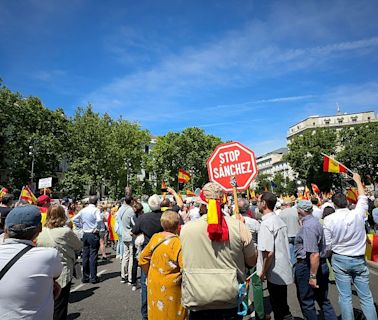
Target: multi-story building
(272, 163)
(337, 121)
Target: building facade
(337, 121)
(272, 163)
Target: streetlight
(32, 153)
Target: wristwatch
(312, 276)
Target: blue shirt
(310, 238)
(88, 219)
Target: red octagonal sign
(232, 159)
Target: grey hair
(243, 205)
(154, 202)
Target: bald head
(93, 200)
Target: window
(313, 123)
(146, 148)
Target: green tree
(280, 183)
(263, 182)
(126, 142)
(188, 150)
(89, 153)
(28, 128)
(305, 157)
(359, 150)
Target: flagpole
(323, 154)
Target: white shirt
(88, 218)
(26, 290)
(317, 212)
(194, 214)
(273, 238)
(344, 229)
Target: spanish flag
(28, 195)
(163, 186)
(331, 165)
(190, 193)
(372, 248)
(306, 195)
(352, 195)
(183, 176)
(315, 188)
(3, 191)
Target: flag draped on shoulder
(28, 195)
(331, 165)
(183, 176)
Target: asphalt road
(110, 299)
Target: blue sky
(242, 70)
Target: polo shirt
(345, 229)
(26, 290)
(310, 238)
(273, 238)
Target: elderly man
(274, 257)
(89, 219)
(345, 233)
(127, 216)
(289, 215)
(27, 273)
(311, 270)
(252, 224)
(215, 250)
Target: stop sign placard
(232, 159)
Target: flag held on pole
(331, 165)
(28, 195)
(183, 176)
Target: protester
(28, 288)
(138, 209)
(316, 211)
(126, 216)
(56, 234)
(274, 256)
(161, 261)
(43, 203)
(148, 224)
(289, 216)
(102, 232)
(311, 269)
(144, 202)
(5, 207)
(345, 234)
(375, 214)
(252, 224)
(89, 220)
(215, 251)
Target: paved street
(112, 300)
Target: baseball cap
(29, 216)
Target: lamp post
(32, 153)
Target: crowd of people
(196, 257)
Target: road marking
(83, 284)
